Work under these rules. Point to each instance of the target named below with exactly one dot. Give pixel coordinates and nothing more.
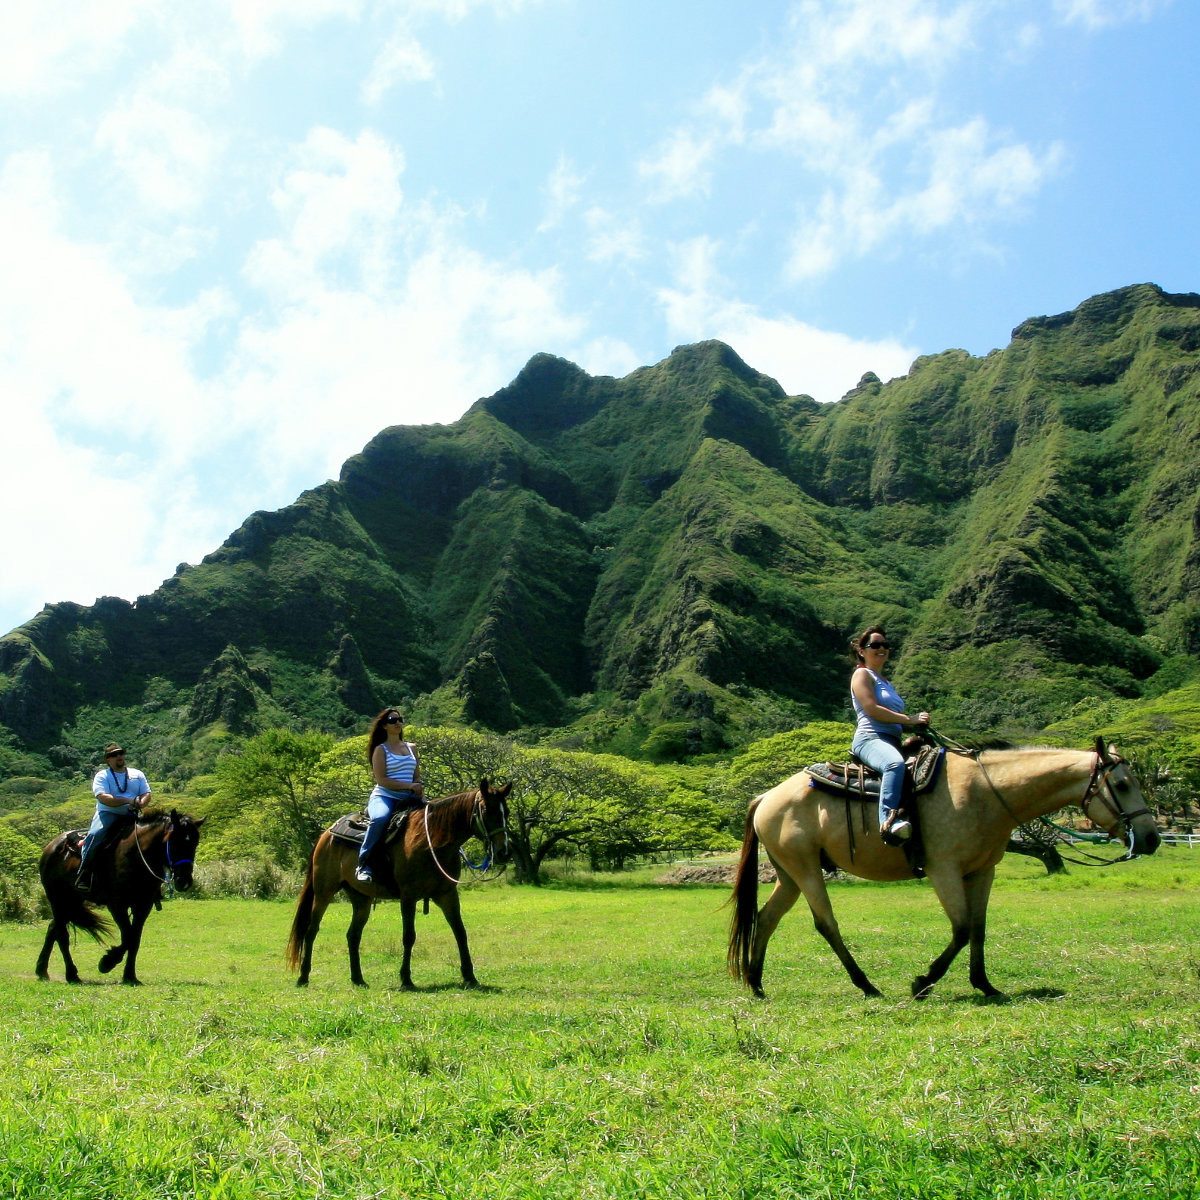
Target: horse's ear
(1100, 748)
(174, 816)
(1113, 752)
(503, 792)
(484, 786)
(198, 821)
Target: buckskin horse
(425, 864)
(128, 881)
(966, 820)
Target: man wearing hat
(120, 791)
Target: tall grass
(608, 1055)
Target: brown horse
(965, 820)
(425, 864)
(128, 881)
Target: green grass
(608, 1055)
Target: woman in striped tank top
(397, 773)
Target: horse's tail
(65, 901)
(303, 917)
(744, 922)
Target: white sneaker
(364, 876)
(901, 830)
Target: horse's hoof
(758, 993)
(360, 983)
(871, 992)
(72, 978)
(131, 981)
(921, 987)
(302, 983)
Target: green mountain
(672, 563)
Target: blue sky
(239, 237)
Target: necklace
(119, 786)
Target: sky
(240, 237)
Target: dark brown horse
(128, 880)
(966, 821)
(425, 863)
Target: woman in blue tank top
(881, 720)
(397, 773)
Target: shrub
(21, 900)
(244, 879)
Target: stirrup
(363, 875)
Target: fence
(1181, 839)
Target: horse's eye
(1122, 785)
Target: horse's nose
(1151, 842)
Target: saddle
(855, 781)
(351, 830)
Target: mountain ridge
(671, 562)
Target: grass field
(608, 1055)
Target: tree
(275, 775)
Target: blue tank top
(400, 768)
(886, 695)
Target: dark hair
(378, 733)
(857, 643)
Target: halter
(480, 829)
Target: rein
(480, 829)
(169, 877)
(1101, 770)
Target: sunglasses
(394, 721)
(877, 646)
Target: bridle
(479, 828)
(1100, 788)
(168, 877)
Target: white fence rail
(1181, 839)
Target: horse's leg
(952, 892)
(114, 954)
(58, 931)
(362, 914)
(812, 884)
(448, 903)
(408, 914)
(979, 889)
(320, 904)
(133, 941)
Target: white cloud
(402, 60)
(50, 46)
(563, 190)
(611, 238)
(680, 166)
(1101, 14)
(804, 359)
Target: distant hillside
(671, 563)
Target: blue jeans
(379, 809)
(104, 819)
(882, 756)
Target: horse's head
(1114, 801)
(182, 837)
(492, 820)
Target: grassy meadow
(608, 1054)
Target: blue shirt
(888, 697)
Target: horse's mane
(442, 814)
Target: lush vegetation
(667, 566)
(608, 1055)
